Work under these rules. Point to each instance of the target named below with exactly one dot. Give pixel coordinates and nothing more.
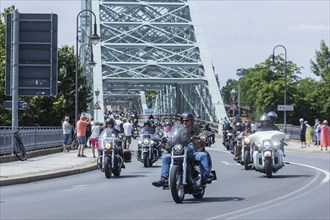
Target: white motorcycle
(268, 153)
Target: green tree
(321, 67)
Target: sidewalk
(46, 167)
(63, 164)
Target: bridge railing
(33, 138)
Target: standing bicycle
(18, 147)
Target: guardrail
(33, 138)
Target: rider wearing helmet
(265, 124)
(187, 119)
(272, 118)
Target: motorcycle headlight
(151, 142)
(107, 146)
(146, 141)
(246, 140)
(140, 142)
(203, 138)
(267, 144)
(178, 149)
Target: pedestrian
(316, 140)
(325, 139)
(302, 133)
(94, 138)
(128, 131)
(81, 134)
(66, 133)
(308, 134)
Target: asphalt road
(298, 191)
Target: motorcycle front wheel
(246, 160)
(146, 160)
(117, 167)
(177, 187)
(268, 167)
(107, 167)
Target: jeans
(203, 157)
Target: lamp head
(91, 64)
(95, 39)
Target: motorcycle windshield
(108, 132)
(178, 135)
(274, 136)
(146, 133)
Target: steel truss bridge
(150, 46)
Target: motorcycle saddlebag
(127, 156)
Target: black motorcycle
(111, 159)
(149, 150)
(185, 171)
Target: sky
(237, 33)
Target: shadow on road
(213, 199)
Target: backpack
(88, 131)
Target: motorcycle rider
(265, 124)
(109, 128)
(146, 129)
(187, 119)
(272, 118)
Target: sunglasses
(186, 120)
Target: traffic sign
(21, 105)
(97, 106)
(285, 107)
(34, 52)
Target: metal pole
(285, 80)
(76, 73)
(239, 98)
(15, 69)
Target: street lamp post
(94, 40)
(233, 95)
(97, 93)
(285, 77)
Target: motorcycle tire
(177, 187)
(268, 167)
(117, 167)
(146, 160)
(246, 160)
(107, 167)
(19, 151)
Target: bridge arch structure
(150, 47)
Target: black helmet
(186, 116)
(110, 121)
(272, 116)
(147, 122)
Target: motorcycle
(246, 153)
(228, 137)
(148, 148)
(136, 131)
(111, 157)
(268, 154)
(185, 173)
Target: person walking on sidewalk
(81, 134)
(308, 134)
(316, 138)
(94, 138)
(325, 139)
(302, 133)
(66, 133)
